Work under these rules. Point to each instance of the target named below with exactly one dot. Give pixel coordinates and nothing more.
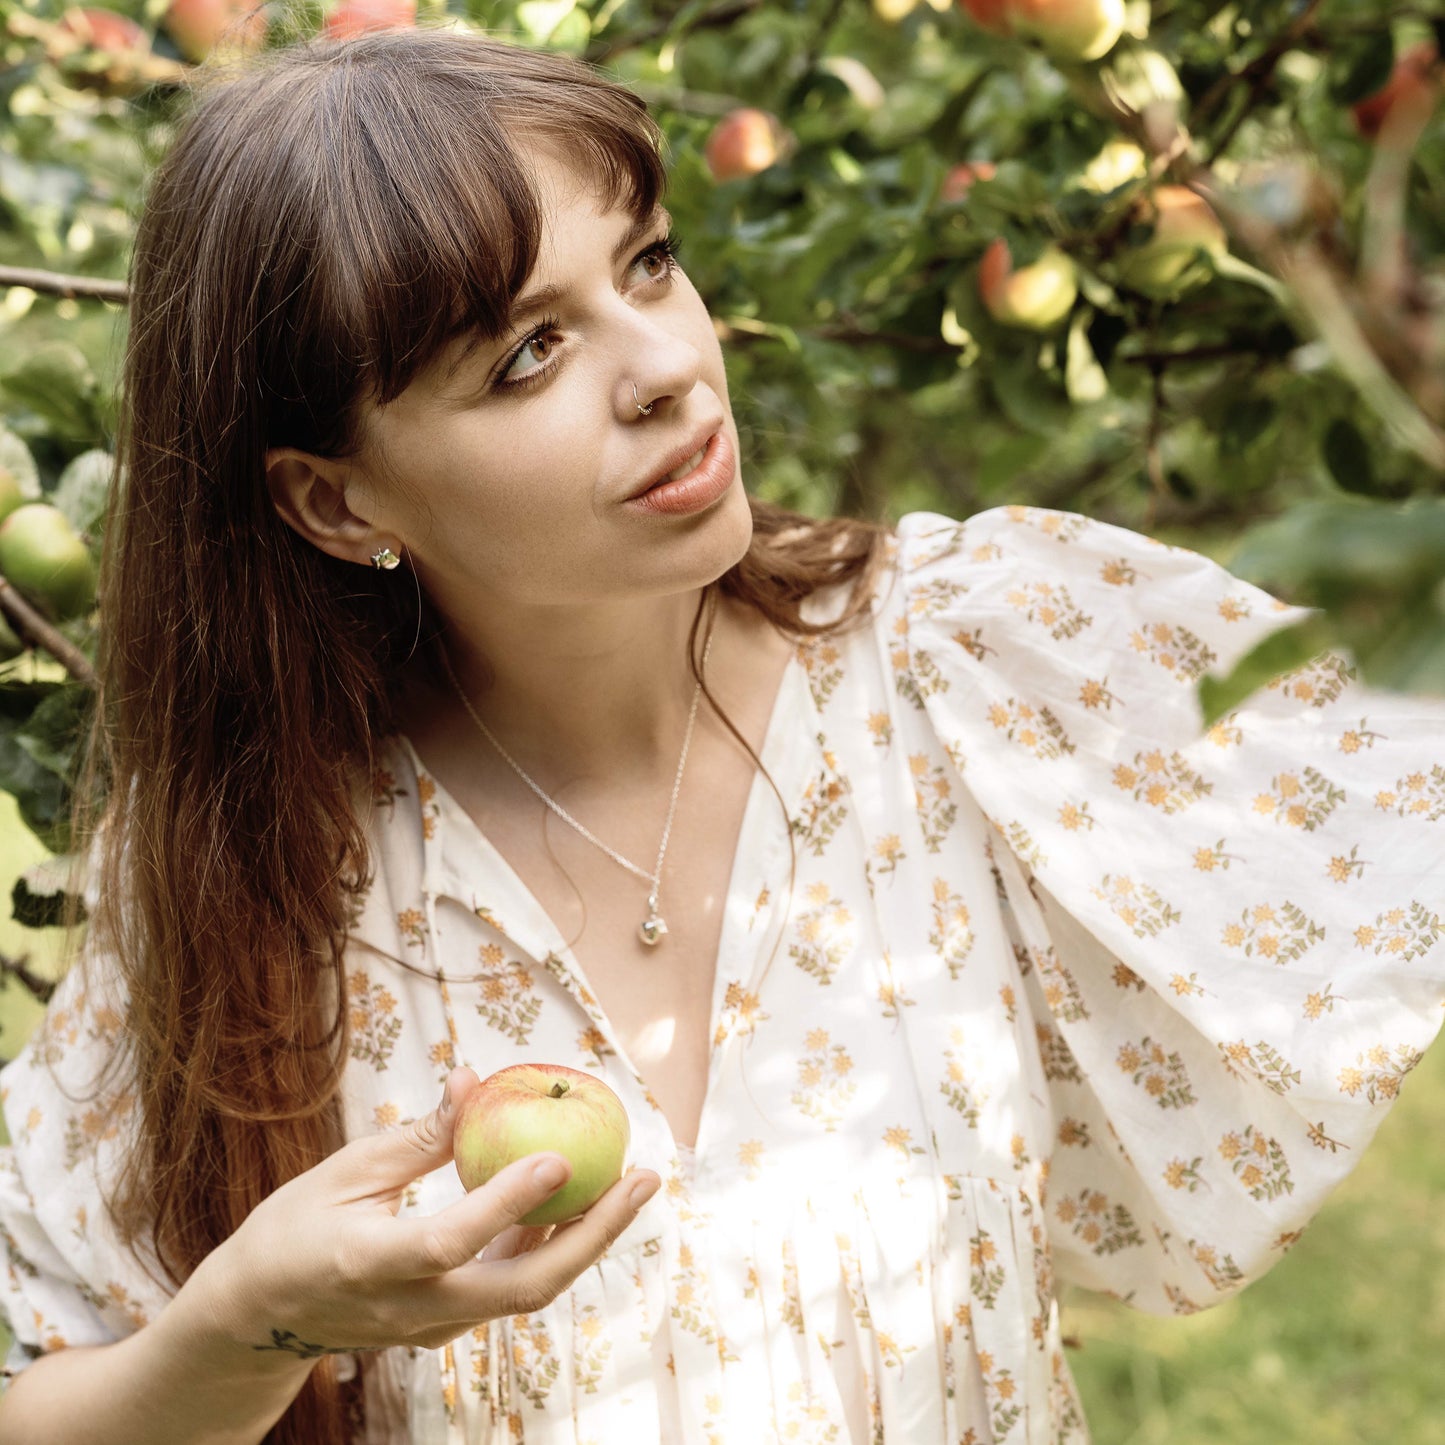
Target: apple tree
(1177, 265)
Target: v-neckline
(788, 750)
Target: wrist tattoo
(288, 1343)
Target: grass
(1339, 1345)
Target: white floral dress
(1065, 987)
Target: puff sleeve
(65, 1279)
(1232, 938)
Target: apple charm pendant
(652, 928)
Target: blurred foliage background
(1178, 266)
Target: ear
(323, 501)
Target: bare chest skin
(658, 1000)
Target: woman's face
(519, 472)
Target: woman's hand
(324, 1265)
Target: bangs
(380, 184)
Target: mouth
(696, 483)
(678, 463)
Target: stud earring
(384, 559)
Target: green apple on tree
(1172, 261)
(1036, 297)
(12, 495)
(43, 556)
(538, 1108)
(1070, 29)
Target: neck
(601, 691)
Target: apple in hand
(544, 1108)
(1035, 297)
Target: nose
(658, 366)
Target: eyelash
(665, 249)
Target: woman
(934, 952)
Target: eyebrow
(535, 301)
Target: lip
(676, 457)
(697, 489)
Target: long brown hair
(328, 219)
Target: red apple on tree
(990, 15)
(198, 25)
(1070, 29)
(104, 29)
(1172, 261)
(358, 17)
(744, 142)
(1036, 297)
(535, 1108)
(960, 178)
(1416, 80)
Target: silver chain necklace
(652, 928)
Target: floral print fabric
(1037, 980)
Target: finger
(517, 1239)
(437, 1243)
(486, 1289)
(383, 1162)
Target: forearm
(177, 1381)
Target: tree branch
(600, 51)
(52, 283)
(35, 630)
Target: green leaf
(15, 458)
(1278, 653)
(84, 489)
(56, 382)
(1348, 457)
(1084, 378)
(1360, 65)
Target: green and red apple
(1172, 261)
(544, 1108)
(1070, 30)
(744, 142)
(198, 26)
(990, 15)
(1035, 297)
(103, 29)
(45, 558)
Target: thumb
(394, 1157)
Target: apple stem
(559, 1088)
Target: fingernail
(549, 1174)
(642, 1191)
(445, 1107)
